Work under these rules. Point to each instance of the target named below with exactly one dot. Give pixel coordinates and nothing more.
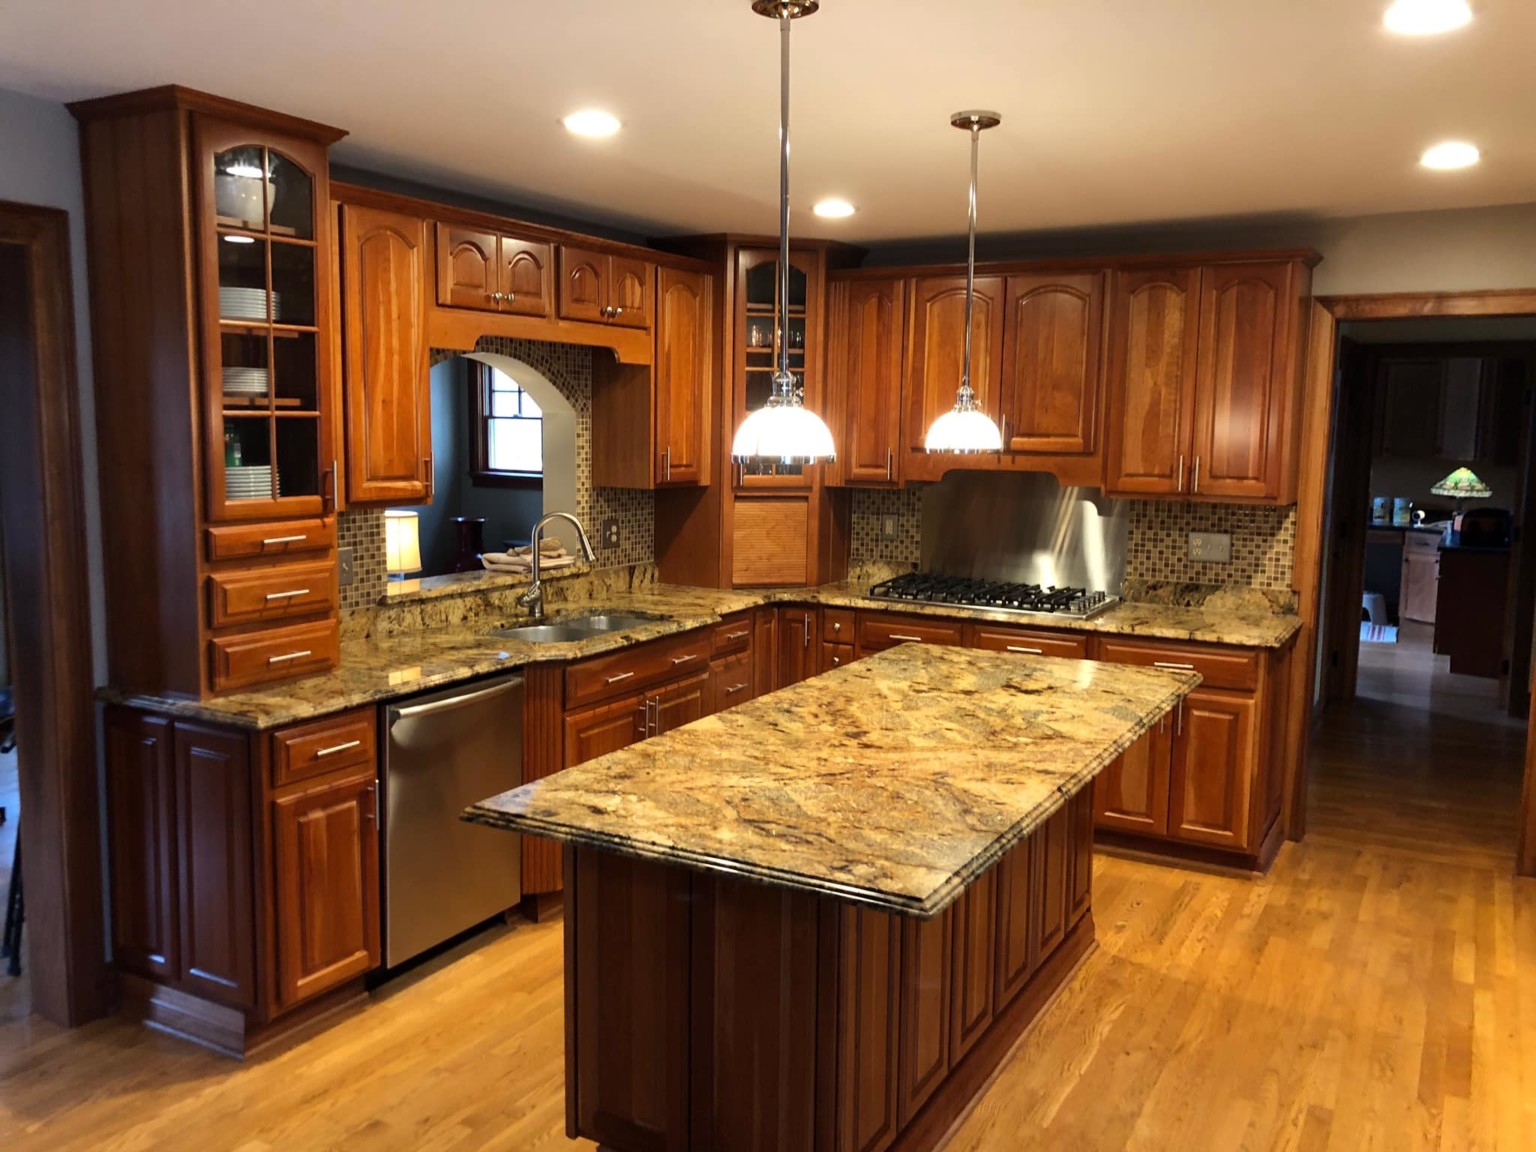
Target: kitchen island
(820, 919)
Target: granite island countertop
(891, 783)
(375, 669)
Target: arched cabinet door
(629, 292)
(526, 276)
(936, 349)
(1051, 364)
(263, 231)
(384, 322)
(583, 276)
(466, 267)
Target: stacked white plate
(240, 381)
(248, 481)
(246, 303)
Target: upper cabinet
(868, 318)
(1051, 384)
(494, 272)
(1203, 383)
(601, 288)
(263, 250)
(936, 349)
(684, 372)
(384, 258)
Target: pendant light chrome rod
(970, 259)
(782, 379)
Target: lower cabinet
(1131, 795)
(798, 646)
(603, 728)
(1214, 763)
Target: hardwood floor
(1376, 990)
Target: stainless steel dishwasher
(446, 750)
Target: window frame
(481, 475)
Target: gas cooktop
(995, 595)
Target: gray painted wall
(40, 164)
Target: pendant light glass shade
(783, 431)
(965, 427)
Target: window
(507, 430)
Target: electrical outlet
(346, 571)
(888, 526)
(610, 534)
(1212, 547)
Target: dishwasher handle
(434, 706)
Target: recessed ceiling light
(1451, 154)
(1427, 17)
(833, 208)
(591, 122)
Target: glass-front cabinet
(758, 342)
(262, 228)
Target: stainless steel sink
(572, 628)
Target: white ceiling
(1114, 111)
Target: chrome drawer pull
(285, 539)
(335, 748)
(734, 688)
(620, 676)
(1026, 651)
(676, 660)
(1175, 667)
(912, 639)
(289, 656)
(738, 635)
(287, 595)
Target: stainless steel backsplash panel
(1024, 526)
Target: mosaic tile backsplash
(1263, 539)
(569, 368)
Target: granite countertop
(374, 669)
(892, 783)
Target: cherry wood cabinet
(1131, 795)
(603, 288)
(936, 351)
(798, 646)
(326, 850)
(1018, 937)
(494, 272)
(384, 324)
(684, 375)
(1214, 768)
(603, 728)
(927, 954)
(973, 967)
(864, 369)
(869, 987)
(141, 820)
(1053, 335)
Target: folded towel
(511, 562)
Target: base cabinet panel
(1131, 795)
(1214, 761)
(868, 1048)
(926, 955)
(141, 823)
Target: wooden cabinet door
(869, 1006)
(864, 377)
(583, 279)
(1213, 769)
(1051, 867)
(936, 349)
(1154, 322)
(1244, 390)
(1018, 942)
(1080, 851)
(141, 832)
(326, 897)
(215, 865)
(467, 267)
(765, 650)
(592, 732)
(681, 703)
(798, 648)
(628, 291)
(1419, 597)
(1052, 336)
(1131, 795)
(926, 954)
(973, 967)
(384, 334)
(525, 276)
(683, 372)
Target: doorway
(1419, 691)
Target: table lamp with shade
(402, 543)
(1462, 485)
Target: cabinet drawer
(1029, 643)
(633, 668)
(289, 538)
(1421, 542)
(835, 655)
(1218, 667)
(324, 746)
(271, 593)
(275, 654)
(730, 681)
(733, 635)
(837, 625)
(878, 631)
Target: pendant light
(965, 427)
(783, 431)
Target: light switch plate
(610, 534)
(1212, 547)
(346, 572)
